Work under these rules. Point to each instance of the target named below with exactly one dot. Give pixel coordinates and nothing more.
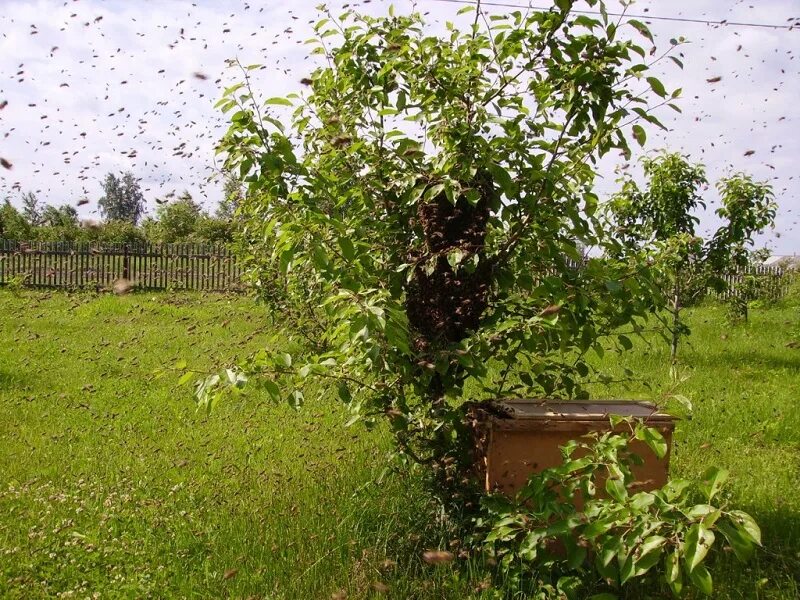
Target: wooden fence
(91, 265)
(210, 267)
(771, 282)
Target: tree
(665, 214)
(31, 209)
(59, 216)
(122, 199)
(231, 198)
(13, 225)
(177, 220)
(423, 232)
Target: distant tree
(664, 214)
(13, 224)
(177, 220)
(232, 198)
(59, 216)
(122, 199)
(31, 209)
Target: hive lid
(595, 410)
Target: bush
(618, 537)
(117, 232)
(212, 230)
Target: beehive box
(529, 438)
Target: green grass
(112, 483)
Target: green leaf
(615, 488)
(672, 573)
(185, 377)
(654, 440)
(576, 554)
(454, 257)
(626, 571)
(639, 134)
(625, 342)
(747, 525)
(657, 86)
(273, 390)
(741, 544)
(713, 480)
(296, 399)
(432, 192)
(607, 571)
(652, 543)
(503, 179)
(587, 22)
(646, 561)
(277, 100)
(701, 579)
(696, 545)
(344, 392)
(699, 511)
(641, 28)
(348, 250)
(604, 596)
(179, 365)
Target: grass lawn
(112, 484)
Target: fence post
(125, 263)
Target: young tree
(232, 195)
(122, 199)
(425, 228)
(665, 214)
(177, 220)
(31, 209)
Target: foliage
(619, 534)
(177, 220)
(232, 195)
(117, 232)
(663, 217)
(13, 225)
(60, 233)
(122, 199)
(428, 222)
(215, 230)
(59, 216)
(31, 209)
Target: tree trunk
(676, 318)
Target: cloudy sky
(95, 86)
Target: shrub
(620, 534)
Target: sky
(96, 86)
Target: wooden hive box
(528, 440)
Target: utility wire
(630, 16)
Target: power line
(630, 16)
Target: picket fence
(211, 267)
